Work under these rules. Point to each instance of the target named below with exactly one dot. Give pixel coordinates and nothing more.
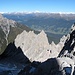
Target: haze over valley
(56, 23)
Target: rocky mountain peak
(33, 45)
(5, 26)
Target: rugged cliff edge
(63, 54)
(37, 48)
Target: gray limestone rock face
(37, 48)
(34, 46)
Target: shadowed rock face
(36, 46)
(12, 60)
(14, 54)
(49, 67)
(69, 45)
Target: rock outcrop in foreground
(31, 54)
(37, 48)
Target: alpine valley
(56, 23)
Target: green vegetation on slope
(2, 41)
(14, 31)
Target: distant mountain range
(55, 23)
(9, 29)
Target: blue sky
(37, 5)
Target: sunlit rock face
(34, 46)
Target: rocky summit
(37, 48)
(34, 46)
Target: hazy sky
(37, 5)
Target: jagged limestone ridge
(36, 46)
